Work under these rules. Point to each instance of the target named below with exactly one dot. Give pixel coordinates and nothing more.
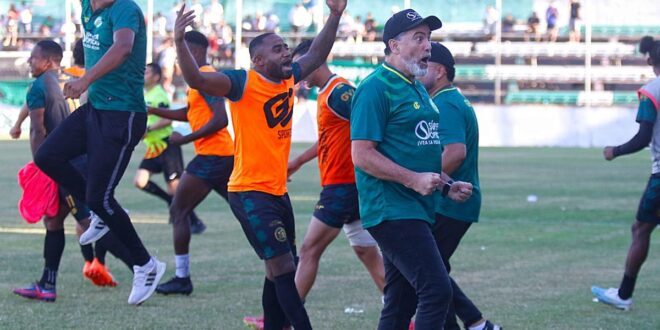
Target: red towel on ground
(40, 194)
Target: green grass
(526, 265)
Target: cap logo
(413, 16)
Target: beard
(415, 68)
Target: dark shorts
(338, 205)
(267, 221)
(214, 170)
(170, 163)
(649, 205)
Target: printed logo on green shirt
(416, 105)
(98, 22)
(427, 132)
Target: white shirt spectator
(299, 18)
(215, 12)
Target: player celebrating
(459, 134)
(648, 213)
(106, 128)
(262, 110)
(397, 155)
(161, 156)
(209, 170)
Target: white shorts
(358, 236)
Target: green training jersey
(399, 115)
(121, 88)
(157, 98)
(458, 124)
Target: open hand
(183, 20)
(336, 6)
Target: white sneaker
(96, 230)
(145, 280)
(611, 297)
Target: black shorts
(649, 204)
(338, 205)
(170, 163)
(267, 222)
(214, 170)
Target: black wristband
(446, 188)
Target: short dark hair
(650, 46)
(303, 48)
(156, 69)
(196, 38)
(256, 42)
(79, 53)
(51, 49)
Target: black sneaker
(177, 285)
(491, 326)
(196, 226)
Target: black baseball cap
(441, 55)
(405, 20)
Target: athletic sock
(157, 191)
(182, 262)
(48, 279)
(274, 317)
(290, 301)
(87, 252)
(109, 242)
(53, 249)
(627, 287)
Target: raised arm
(121, 49)
(213, 83)
(322, 44)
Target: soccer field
(525, 265)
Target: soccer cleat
(145, 280)
(177, 285)
(611, 297)
(36, 292)
(491, 326)
(254, 322)
(197, 226)
(100, 275)
(86, 270)
(411, 326)
(96, 230)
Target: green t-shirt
(458, 124)
(157, 98)
(399, 115)
(121, 88)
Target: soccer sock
(290, 301)
(109, 242)
(101, 252)
(274, 317)
(53, 249)
(87, 252)
(182, 262)
(627, 287)
(157, 191)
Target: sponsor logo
(427, 133)
(91, 41)
(416, 105)
(413, 16)
(278, 110)
(98, 22)
(280, 234)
